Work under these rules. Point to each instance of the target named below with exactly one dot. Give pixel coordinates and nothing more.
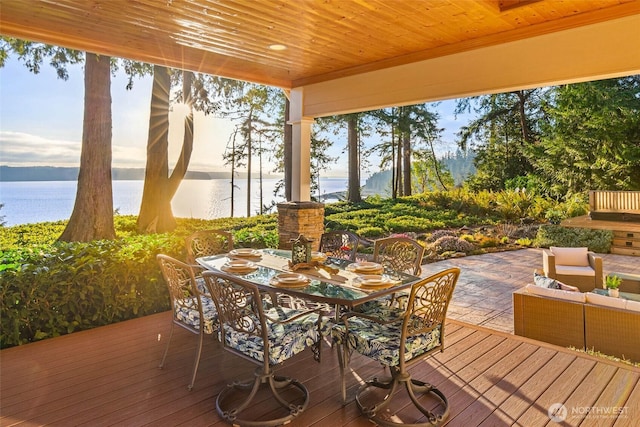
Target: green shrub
(452, 243)
(69, 287)
(525, 241)
(50, 288)
(370, 232)
(487, 242)
(555, 235)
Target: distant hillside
(49, 173)
(459, 164)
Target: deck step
(623, 250)
(627, 234)
(626, 243)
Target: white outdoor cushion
(632, 305)
(568, 287)
(556, 293)
(570, 256)
(605, 300)
(572, 270)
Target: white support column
(301, 149)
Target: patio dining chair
(208, 242)
(396, 255)
(191, 308)
(399, 255)
(340, 244)
(266, 337)
(396, 342)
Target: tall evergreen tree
(156, 215)
(506, 127)
(92, 215)
(592, 138)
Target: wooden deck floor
(109, 376)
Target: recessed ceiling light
(277, 47)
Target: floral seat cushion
(382, 342)
(381, 308)
(285, 339)
(186, 311)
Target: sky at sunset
(41, 123)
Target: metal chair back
(208, 242)
(340, 244)
(399, 255)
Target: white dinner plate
(239, 266)
(290, 280)
(373, 281)
(245, 252)
(364, 267)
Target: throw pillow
(544, 281)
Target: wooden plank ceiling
(323, 39)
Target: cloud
(23, 149)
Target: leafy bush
(54, 288)
(69, 287)
(525, 241)
(487, 242)
(555, 235)
(436, 235)
(370, 232)
(452, 243)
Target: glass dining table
(334, 282)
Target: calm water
(38, 201)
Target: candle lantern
(301, 250)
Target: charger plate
(365, 267)
(374, 281)
(245, 253)
(290, 280)
(239, 266)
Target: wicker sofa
(581, 320)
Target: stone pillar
(295, 218)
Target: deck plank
(109, 376)
(557, 392)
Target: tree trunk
(92, 216)
(399, 166)
(353, 190)
(156, 215)
(182, 164)
(249, 154)
(288, 144)
(260, 173)
(524, 126)
(394, 188)
(406, 163)
(155, 210)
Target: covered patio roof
(352, 55)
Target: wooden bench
(614, 205)
(618, 211)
